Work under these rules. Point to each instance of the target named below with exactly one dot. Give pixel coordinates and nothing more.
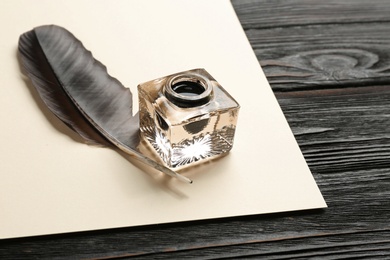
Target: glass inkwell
(187, 118)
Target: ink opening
(188, 90)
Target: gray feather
(80, 92)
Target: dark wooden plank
(341, 124)
(261, 14)
(340, 43)
(324, 55)
(303, 247)
(348, 127)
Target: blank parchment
(51, 182)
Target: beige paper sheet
(50, 182)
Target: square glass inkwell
(187, 117)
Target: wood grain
(261, 14)
(341, 130)
(314, 44)
(328, 63)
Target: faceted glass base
(192, 148)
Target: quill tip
(168, 171)
(183, 178)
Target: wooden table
(328, 63)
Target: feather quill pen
(80, 92)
